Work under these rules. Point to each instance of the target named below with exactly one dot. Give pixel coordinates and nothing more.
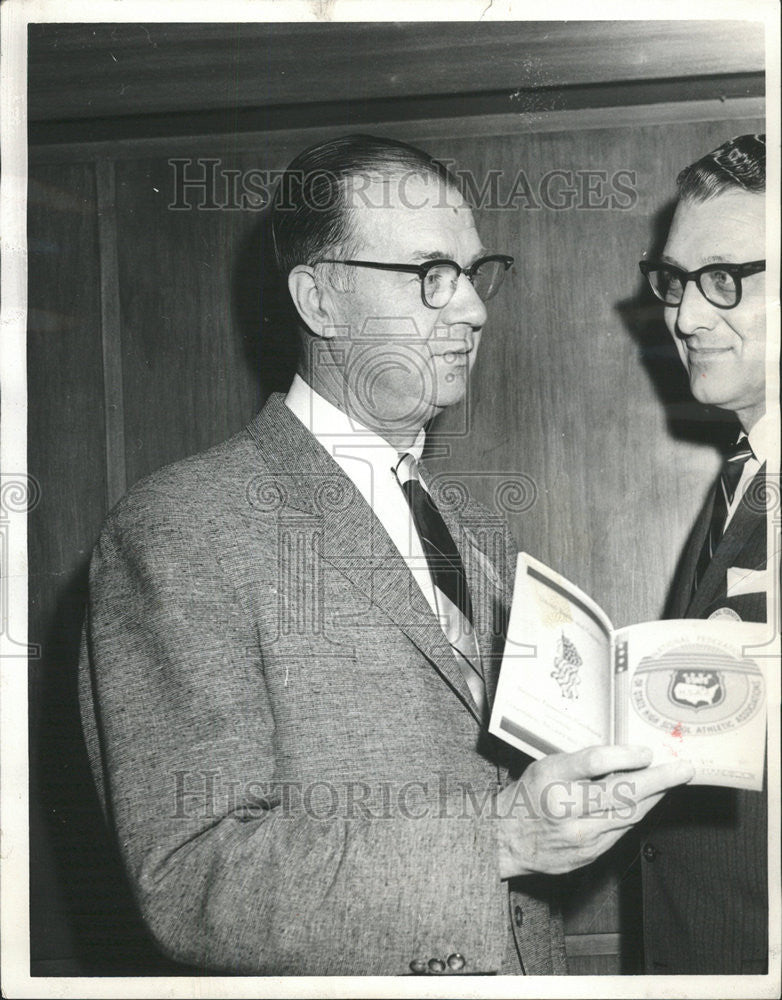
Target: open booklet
(688, 689)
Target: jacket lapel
(748, 520)
(681, 593)
(363, 553)
(483, 577)
(486, 589)
(350, 538)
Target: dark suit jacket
(704, 856)
(279, 731)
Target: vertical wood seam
(111, 332)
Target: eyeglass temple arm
(406, 268)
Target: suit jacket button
(436, 965)
(418, 966)
(649, 852)
(456, 962)
(518, 916)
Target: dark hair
(312, 215)
(738, 163)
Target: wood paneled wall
(83, 72)
(155, 333)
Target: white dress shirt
(368, 460)
(760, 441)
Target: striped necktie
(732, 467)
(448, 577)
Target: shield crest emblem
(696, 689)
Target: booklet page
(695, 690)
(555, 687)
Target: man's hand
(568, 809)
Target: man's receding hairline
(698, 197)
(396, 172)
(337, 177)
(353, 216)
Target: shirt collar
(333, 428)
(761, 438)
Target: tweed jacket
(279, 732)
(704, 859)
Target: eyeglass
(719, 284)
(439, 277)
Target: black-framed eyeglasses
(440, 277)
(719, 284)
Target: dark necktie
(450, 582)
(732, 467)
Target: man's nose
(694, 311)
(466, 306)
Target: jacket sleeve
(174, 706)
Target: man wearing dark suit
(290, 651)
(704, 857)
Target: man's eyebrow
(720, 259)
(431, 255)
(712, 259)
(444, 255)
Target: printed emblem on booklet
(699, 688)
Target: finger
(594, 762)
(620, 820)
(621, 792)
(639, 785)
(626, 801)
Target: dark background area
(155, 332)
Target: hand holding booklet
(689, 689)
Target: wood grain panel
(111, 333)
(190, 302)
(664, 102)
(83, 71)
(530, 103)
(82, 917)
(592, 944)
(66, 456)
(593, 965)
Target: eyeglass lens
(488, 278)
(440, 282)
(717, 285)
(439, 285)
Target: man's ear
(311, 301)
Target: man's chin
(720, 397)
(707, 396)
(451, 394)
(711, 384)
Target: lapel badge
(728, 614)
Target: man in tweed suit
(704, 858)
(287, 730)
